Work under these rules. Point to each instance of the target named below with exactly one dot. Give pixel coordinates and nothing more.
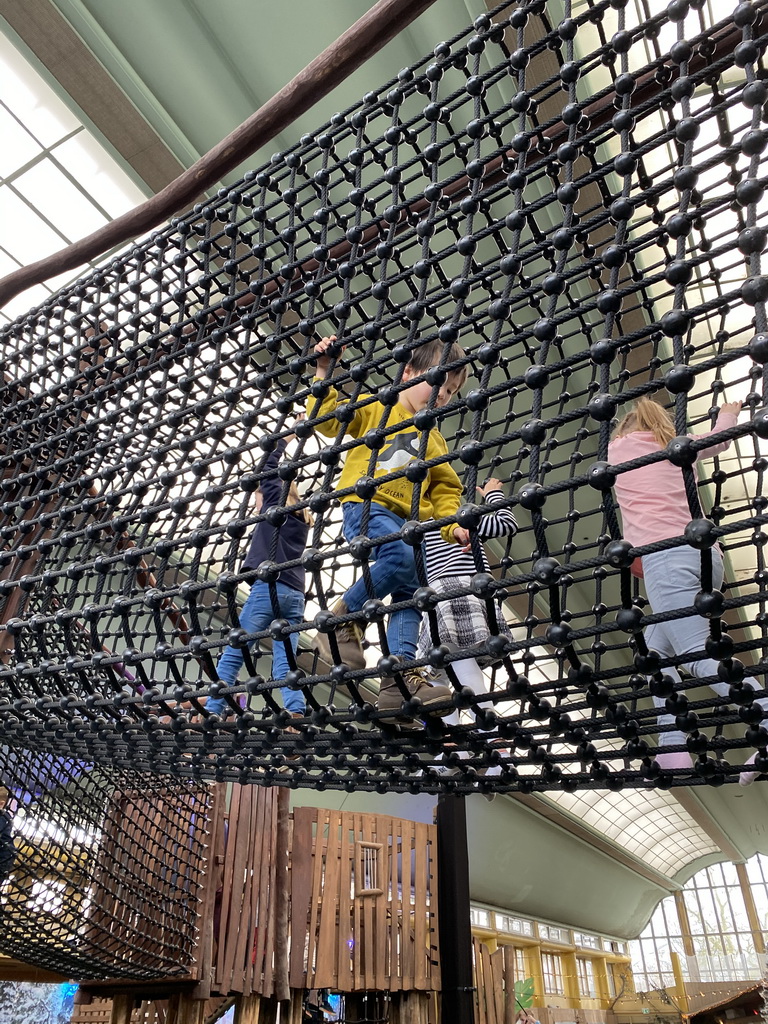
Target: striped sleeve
(499, 523)
(443, 559)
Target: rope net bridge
(107, 871)
(573, 192)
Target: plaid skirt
(462, 621)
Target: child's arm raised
(727, 417)
(500, 522)
(326, 350)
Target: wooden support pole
(750, 906)
(122, 1007)
(367, 36)
(453, 912)
(680, 989)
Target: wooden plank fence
(244, 960)
(363, 903)
(494, 984)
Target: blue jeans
(672, 580)
(256, 615)
(393, 574)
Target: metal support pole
(454, 924)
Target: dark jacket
(291, 535)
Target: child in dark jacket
(258, 612)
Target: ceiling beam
(83, 80)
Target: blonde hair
(4, 794)
(648, 415)
(293, 499)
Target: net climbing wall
(572, 192)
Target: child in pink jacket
(654, 507)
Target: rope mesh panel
(107, 868)
(574, 193)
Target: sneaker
(747, 778)
(391, 697)
(349, 640)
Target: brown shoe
(295, 732)
(349, 639)
(289, 728)
(391, 697)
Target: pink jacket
(652, 499)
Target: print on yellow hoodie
(441, 490)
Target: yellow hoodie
(441, 489)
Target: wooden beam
(16, 970)
(336, 63)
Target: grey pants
(672, 581)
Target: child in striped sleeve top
(462, 619)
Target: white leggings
(468, 673)
(672, 581)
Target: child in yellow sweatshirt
(393, 568)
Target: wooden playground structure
(289, 903)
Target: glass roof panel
(26, 236)
(19, 147)
(57, 182)
(651, 826)
(59, 200)
(31, 99)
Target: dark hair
(430, 354)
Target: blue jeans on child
(257, 614)
(672, 580)
(393, 574)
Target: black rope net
(573, 193)
(105, 874)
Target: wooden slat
(318, 863)
(396, 911)
(239, 840)
(497, 972)
(407, 965)
(256, 919)
(370, 919)
(382, 930)
(420, 939)
(240, 932)
(509, 985)
(434, 923)
(264, 959)
(281, 991)
(214, 845)
(344, 928)
(301, 891)
(358, 927)
(327, 962)
(226, 890)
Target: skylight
(57, 182)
